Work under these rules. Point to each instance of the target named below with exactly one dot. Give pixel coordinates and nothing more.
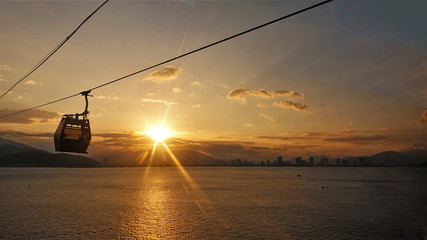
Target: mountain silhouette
(410, 158)
(14, 154)
(160, 158)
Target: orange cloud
(165, 102)
(348, 131)
(32, 82)
(196, 83)
(270, 119)
(284, 138)
(291, 105)
(288, 93)
(246, 124)
(167, 73)
(240, 94)
(423, 118)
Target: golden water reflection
(169, 205)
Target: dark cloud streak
(299, 107)
(29, 117)
(356, 138)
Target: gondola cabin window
(72, 131)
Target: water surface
(213, 203)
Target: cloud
(176, 90)
(196, 83)
(32, 82)
(112, 96)
(348, 131)
(423, 118)
(196, 105)
(246, 124)
(314, 134)
(284, 138)
(167, 73)
(261, 105)
(301, 147)
(165, 102)
(291, 105)
(240, 94)
(123, 140)
(298, 136)
(270, 119)
(19, 134)
(2, 78)
(217, 149)
(29, 117)
(4, 67)
(229, 149)
(288, 93)
(356, 138)
(422, 146)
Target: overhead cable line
(177, 57)
(51, 52)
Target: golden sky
(347, 78)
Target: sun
(159, 134)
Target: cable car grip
(86, 93)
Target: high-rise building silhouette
(280, 160)
(298, 161)
(311, 161)
(324, 161)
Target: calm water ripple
(213, 203)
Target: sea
(213, 203)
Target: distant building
(338, 162)
(237, 162)
(280, 160)
(311, 159)
(324, 162)
(298, 161)
(345, 163)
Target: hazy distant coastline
(14, 154)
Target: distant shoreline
(225, 166)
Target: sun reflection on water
(158, 213)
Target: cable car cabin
(73, 134)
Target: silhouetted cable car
(73, 132)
